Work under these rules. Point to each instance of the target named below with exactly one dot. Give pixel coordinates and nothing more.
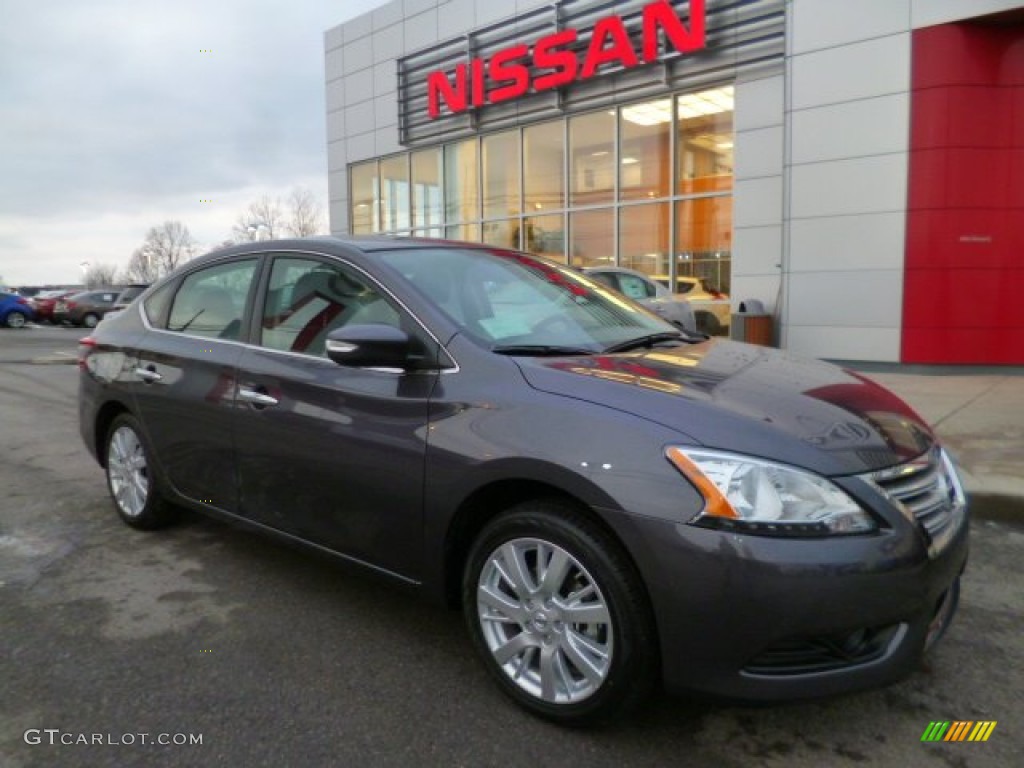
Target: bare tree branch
(100, 276)
(262, 220)
(164, 248)
(305, 217)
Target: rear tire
(16, 320)
(90, 320)
(133, 481)
(559, 615)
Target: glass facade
(646, 186)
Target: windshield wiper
(539, 350)
(646, 341)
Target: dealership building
(857, 166)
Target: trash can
(752, 324)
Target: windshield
(505, 299)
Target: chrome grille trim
(928, 492)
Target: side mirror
(369, 346)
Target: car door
(331, 454)
(185, 377)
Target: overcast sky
(112, 120)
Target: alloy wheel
(545, 621)
(128, 471)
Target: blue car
(15, 310)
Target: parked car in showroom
(645, 291)
(613, 503)
(711, 306)
(86, 308)
(15, 310)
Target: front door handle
(255, 397)
(148, 374)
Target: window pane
(502, 233)
(307, 299)
(394, 192)
(705, 141)
(592, 175)
(211, 302)
(645, 131)
(704, 241)
(545, 235)
(501, 174)
(461, 188)
(470, 233)
(365, 216)
(593, 238)
(545, 163)
(643, 239)
(426, 188)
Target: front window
(504, 299)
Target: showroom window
(646, 186)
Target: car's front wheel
(559, 615)
(16, 320)
(133, 482)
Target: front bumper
(758, 618)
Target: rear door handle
(255, 397)
(148, 375)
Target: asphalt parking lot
(276, 658)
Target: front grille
(824, 653)
(926, 490)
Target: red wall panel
(964, 281)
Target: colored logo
(959, 730)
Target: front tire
(559, 615)
(133, 481)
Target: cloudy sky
(113, 119)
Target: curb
(54, 360)
(997, 507)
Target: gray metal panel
(744, 37)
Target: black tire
(629, 637)
(708, 323)
(90, 320)
(154, 511)
(16, 319)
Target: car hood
(747, 399)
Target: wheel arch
(105, 416)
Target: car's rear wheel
(133, 482)
(16, 320)
(90, 320)
(559, 615)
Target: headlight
(755, 496)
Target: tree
(164, 248)
(100, 275)
(262, 220)
(305, 217)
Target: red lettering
(505, 69)
(562, 63)
(479, 93)
(620, 51)
(454, 95)
(661, 15)
(509, 70)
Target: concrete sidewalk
(979, 417)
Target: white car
(714, 313)
(645, 291)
